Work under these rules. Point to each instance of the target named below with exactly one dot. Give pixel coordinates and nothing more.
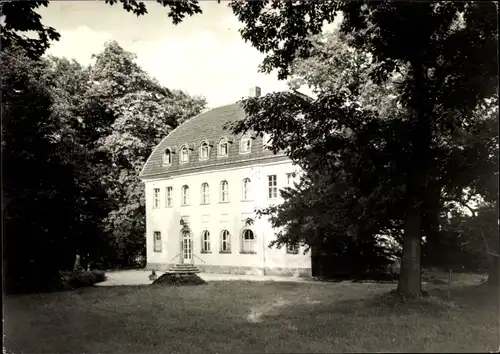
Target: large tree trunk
(416, 185)
(409, 284)
(494, 258)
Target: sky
(204, 55)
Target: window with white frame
(156, 198)
(157, 241)
(290, 179)
(168, 197)
(184, 154)
(292, 248)
(205, 194)
(224, 192)
(223, 147)
(247, 241)
(185, 195)
(266, 141)
(272, 187)
(246, 189)
(225, 241)
(167, 157)
(205, 241)
(245, 144)
(204, 151)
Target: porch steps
(183, 269)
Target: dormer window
(184, 154)
(204, 151)
(167, 157)
(245, 144)
(223, 148)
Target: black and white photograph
(249, 176)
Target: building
(202, 185)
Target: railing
(199, 258)
(177, 255)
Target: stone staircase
(183, 269)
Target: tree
(70, 81)
(37, 180)
(449, 53)
(20, 16)
(127, 114)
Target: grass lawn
(239, 316)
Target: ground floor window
(157, 241)
(248, 241)
(205, 241)
(225, 241)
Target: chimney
(254, 91)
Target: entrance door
(187, 247)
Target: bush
(78, 279)
(175, 279)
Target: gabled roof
(207, 126)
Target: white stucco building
(202, 184)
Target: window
(245, 144)
(225, 241)
(204, 151)
(184, 154)
(273, 187)
(224, 192)
(289, 179)
(205, 194)
(167, 158)
(266, 141)
(205, 242)
(168, 197)
(156, 198)
(223, 147)
(185, 195)
(292, 249)
(246, 189)
(247, 241)
(157, 241)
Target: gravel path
(140, 277)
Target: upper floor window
(224, 192)
(168, 197)
(205, 194)
(184, 154)
(223, 147)
(266, 141)
(272, 187)
(245, 144)
(246, 189)
(156, 198)
(292, 249)
(247, 241)
(185, 195)
(157, 241)
(167, 157)
(225, 241)
(204, 150)
(205, 241)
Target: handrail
(177, 255)
(199, 258)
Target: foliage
(21, 16)
(138, 113)
(173, 279)
(81, 278)
(38, 181)
(446, 56)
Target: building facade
(203, 184)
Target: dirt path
(140, 277)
